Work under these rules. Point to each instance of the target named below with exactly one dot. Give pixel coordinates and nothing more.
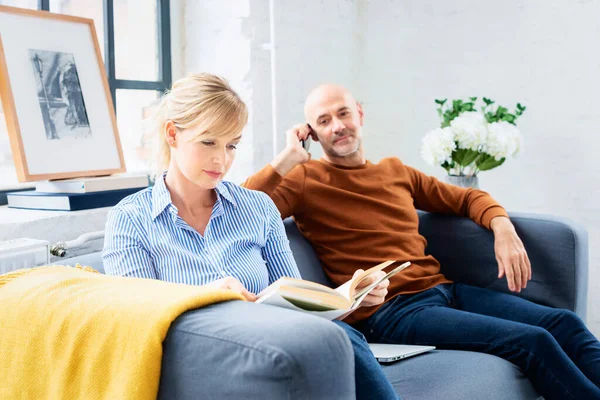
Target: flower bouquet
(469, 141)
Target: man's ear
(313, 134)
(361, 113)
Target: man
(356, 213)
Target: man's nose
(337, 125)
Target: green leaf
(469, 157)
(489, 162)
(449, 115)
(482, 158)
(456, 104)
(509, 118)
(464, 157)
(457, 156)
(467, 107)
(487, 101)
(473, 99)
(440, 102)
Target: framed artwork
(56, 99)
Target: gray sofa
(208, 353)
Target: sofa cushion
(458, 375)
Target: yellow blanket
(68, 333)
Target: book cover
(34, 200)
(90, 185)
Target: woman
(193, 228)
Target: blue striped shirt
(245, 238)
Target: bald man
(356, 213)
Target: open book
(320, 300)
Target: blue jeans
(371, 382)
(553, 347)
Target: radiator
(23, 253)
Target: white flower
(470, 130)
(504, 140)
(438, 146)
(517, 142)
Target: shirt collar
(161, 198)
(224, 192)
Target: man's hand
(231, 283)
(294, 153)
(377, 295)
(511, 254)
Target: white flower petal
(470, 130)
(504, 140)
(438, 146)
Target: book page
(344, 290)
(347, 289)
(360, 296)
(372, 286)
(334, 301)
(275, 299)
(299, 283)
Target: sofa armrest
(557, 248)
(241, 350)
(93, 260)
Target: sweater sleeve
(434, 196)
(286, 192)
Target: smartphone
(306, 142)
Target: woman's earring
(171, 141)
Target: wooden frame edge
(12, 123)
(14, 131)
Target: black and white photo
(59, 95)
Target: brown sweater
(357, 217)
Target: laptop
(386, 353)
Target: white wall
(538, 53)
(230, 38)
(398, 56)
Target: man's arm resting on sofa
(557, 249)
(512, 258)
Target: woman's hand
(231, 283)
(377, 295)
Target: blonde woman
(194, 228)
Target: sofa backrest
(557, 248)
(306, 259)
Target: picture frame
(56, 98)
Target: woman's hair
(201, 101)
